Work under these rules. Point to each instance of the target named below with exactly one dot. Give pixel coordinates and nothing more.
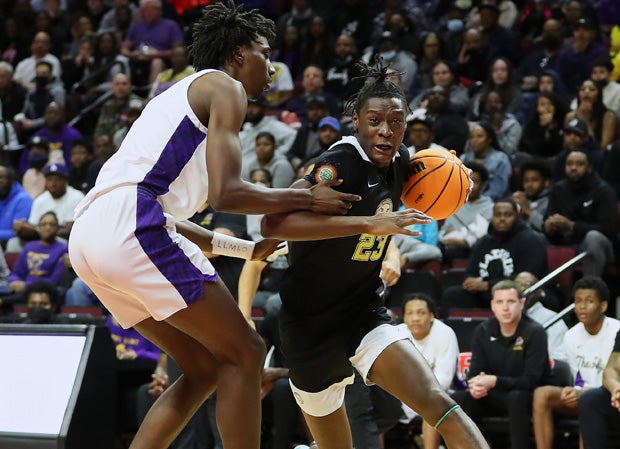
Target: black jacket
(520, 362)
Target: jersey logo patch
(385, 207)
(325, 173)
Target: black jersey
(333, 278)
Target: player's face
(588, 307)
(380, 128)
(534, 183)
(258, 68)
(418, 318)
(506, 306)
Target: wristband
(226, 245)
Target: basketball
(438, 183)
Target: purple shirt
(162, 34)
(39, 262)
(131, 339)
(574, 68)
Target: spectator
(265, 157)
(329, 132)
(149, 42)
(509, 360)
(500, 78)
(599, 408)
(340, 73)
(542, 135)
(15, 203)
(430, 53)
(58, 197)
(103, 150)
(575, 60)
(42, 259)
(290, 51)
(318, 44)
(484, 148)
(475, 55)
(588, 344)
(33, 180)
(507, 127)
(463, 229)
(130, 344)
(312, 83)
(443, 75)
(536, 309)
(449, 127)
(133, 113)
(501, 35)
(179, 69)
(47, 89)
(591, 109)
(281, 89)
(81, 161)
(256, 121)
(611, 174)
(114, 111)
(42, 300)
(509, 248)
(306, 144)
(58, 134)
(25, 70)
(421, 132)
(601, 75)
(12, 94)
(534, 64)
(438, 344)
(534, 198)
(582, 213)
(575, 137)
(108, 21)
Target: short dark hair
(267, 135)
(536, 164)
(605, 62)
(480, 169)
(430, 302)
(264, 171)
(45, 63)
(82, 143)
(377, 85)
(593, 283)
(510, 201)
(42, 287)
(221, 29)
(491, 134)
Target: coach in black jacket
(582, 213)
(509, 360)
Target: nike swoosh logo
(587, 203)
(372, 185)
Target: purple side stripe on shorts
(150, 232)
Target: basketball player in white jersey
(132, 244)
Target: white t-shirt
(588, 354)
(63, 206)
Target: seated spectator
(25, 70)
(507, 128)
(33, 181)
(509, 248)
(133, 113)
(281, 88)
(599, 408)
(542, 135)
(576, 138)
(601, 121)
(443, 75)
(500, 78)
(130, 344)
(438, 344)
(474, 57)
(40, 260)
(81, 160)
(312, 83)
(484, 148)
(421, 132)
(4, 276)
(179, 69)
(306, 144)
(12, 94)
(103, 149)
(449, 127)
(536, 308)
(340, 73)
(58, 197)
(149, 42)
(399, 59)
(46, 90)
(587, 345)
(15, 203)
(114, 111)
(257, 121)
(42, 300)
(422, 248)
(582, 213)
(464, 228)
(533, 199)
(280, 168)
(610, 90)
(509, 360)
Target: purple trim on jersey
(165, 254)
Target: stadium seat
(11, 258)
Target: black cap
(576, 125)
(39, 141)
(585, 22)
(316, 99)
(387, 36)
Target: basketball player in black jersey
(332, 317)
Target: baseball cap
(330, 121)
(420, 116)
(387, 36)
(56, 169)
(315, 99)
(577, 125)
(39, 141)
(585, 22)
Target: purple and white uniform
(124, 243)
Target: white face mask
(455, 25)
(388, 55)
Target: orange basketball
(437, 185)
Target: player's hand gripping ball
(438, 183)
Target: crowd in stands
(526, 92)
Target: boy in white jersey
(588, 345)
(132, 243)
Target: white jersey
(588, 354)
(164, 153)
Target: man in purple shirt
(149, 42)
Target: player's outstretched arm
(220, 103)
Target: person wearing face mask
(400, 60)
(602, 70)
(46, 89)
(544, 58)
(341, 73)
(42, 300)
(33, 180)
